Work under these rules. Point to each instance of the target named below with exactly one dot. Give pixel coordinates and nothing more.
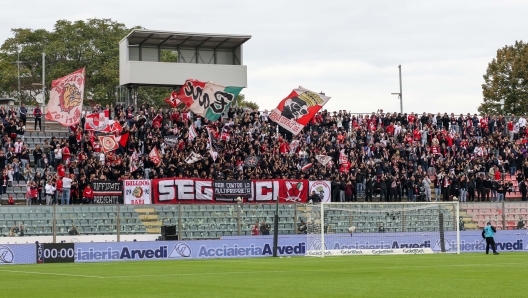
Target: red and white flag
(133, 162)
(113, 127)
(295, 111)
(193, 157)
(66, 99)
(108, 143)
(155, 155)
(293, 146)
(173, 100)
(192, 132)
(323, 159)
(342, 157)
(307, 167)
(156, 122)
(122, 139)
(97, 121)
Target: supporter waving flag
(173, 100)
(156, 122)
(66, 99)
(192, 132)
(134, 162)
(97, 121)
(342, 157)
(323, 159)
(108, 143)
(155, 155)
(297, 109)
(208, 99)
(193, 157)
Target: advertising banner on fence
(136, 192)
(175, 190)
(262, 246)
(16, 254)
(323, 189)
(470, 241)
(107, 192)
(228, 190)
(192, 249)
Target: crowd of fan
(383, 155)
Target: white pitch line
(49, 273)
(318, 270)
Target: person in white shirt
(522, 122)
(58, 155)
(50, 191)
(102, 158)
(66, 189)
(18, 146)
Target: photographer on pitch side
(487, 233)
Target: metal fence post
(238, 220)
(180, 232)
(295, 218)
(118, 224)
(54, 223)
(503, 214)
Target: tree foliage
(242, 102)
(506, 80)
(92, 44)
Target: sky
(348, 49)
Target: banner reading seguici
(136, 192)
(187, 190)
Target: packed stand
(389, 156)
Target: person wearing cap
(487, 233)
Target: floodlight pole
(400, 94)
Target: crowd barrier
(240, 247)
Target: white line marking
(49, 273)
(317, 270)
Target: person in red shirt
(255, 229)
(61, 171)
(88, 194)
(11, 201)
(484, 122)
(390, 129)
(66, 154)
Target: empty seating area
(502, 217)
(205, 221)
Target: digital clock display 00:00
(55, 253)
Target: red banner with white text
(200, 191)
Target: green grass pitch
(437, 275)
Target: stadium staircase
(150, 219)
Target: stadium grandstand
(377, 157)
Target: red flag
(66, 99)
(97, 121)
(156, 122)
(293, 191)
(173, 100)
(122, 139)
(155, 155)
(108, 143)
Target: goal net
(335, 229)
